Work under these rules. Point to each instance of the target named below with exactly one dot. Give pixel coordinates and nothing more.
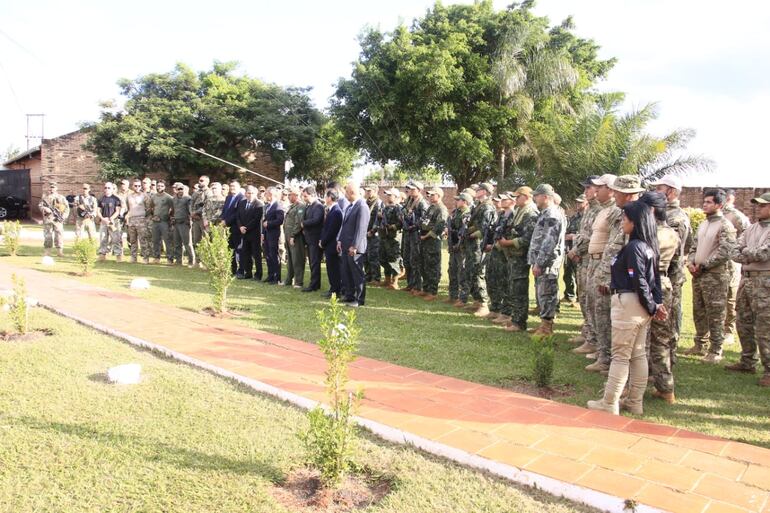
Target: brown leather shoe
(739, 367)
(545, 329)
(666, 396)
(428, 297)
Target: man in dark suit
(351, 244)
(229, 211)
(271, 233)
(328, 242)
(312, 224)
(249, 221)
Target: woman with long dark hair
(636, 298)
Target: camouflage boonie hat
(543, 189)
(465, 197)
(414, 184)
(469, 190)
(487, 187)
(437, 191)
(628, 184)
(762, 200)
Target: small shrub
(543, 362)
(11, 234)
(330, 438)
(214, 253)
(17, 305)
(697, 216)
(85, 250)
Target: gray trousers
(161, 236)
(182, 243)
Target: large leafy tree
(457, 88)
(228, 115)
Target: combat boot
(482, 311)
(712, 358)
(696, 350)
(597, 366)
(764, 381)
(59, 252)
(577, 339)
(739, 367)
(585, 348)
(46, 252)
(514, 328)
(102, 258)
(600, 405)
(449, 300)
(473, 306)
(636, 409)
(118, 258)
(545, 329)
(375, 283)
(502, 319)
(492, 315)
(458, 304)
(428, 297)
(145, 260)
(666, 396)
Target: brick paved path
(658, 466)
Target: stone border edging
(571, 491)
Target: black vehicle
(12, 207)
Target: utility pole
(38, 121)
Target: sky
(704, 63)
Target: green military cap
(465, 197)
(628, 184)
(543, 189)
(522, 191)
(437, 191)
(762, 200)
(487, 187)
(581, 198)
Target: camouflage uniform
(599, 304)
(482, 215)
(161, 205)
(137, 225)
(710, 285)
(197, 201)
(85, 213)
(181, 224)
(212, 210)
(678, 219)
(147, 234)
(120, 221)
(740, 222)
(518, 228)
(390, 248)
(372, 256)
(570, 267)
(457, 226)
(53, 228)
(753, 306)
(580, 248)
(497, 267)
(546, 250)
(292, 229)
(662, 342)
(432, 225)
(413, 212)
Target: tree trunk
(501, 171)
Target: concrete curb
(573, 492)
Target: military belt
(596, 256)
(749, 274)
(621, 291)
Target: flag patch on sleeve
(630, 273)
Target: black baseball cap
(589, 180)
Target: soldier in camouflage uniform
(197, 200)
(390, 248)
(457, 227)
(739, 220)
(212, 207)
(55, 211)
(579, 256)
(373, 236)
(545, 256)
(180, 207)
(292, 229)
(570, 266)
(496, 271)
(86, 207)
(146, 241)
(124, 188)
(136, 219)
(753, 252)
(432, 226)
(708, 264)
(159, 211)
(414, 208)
(662, 354)
(482, 216)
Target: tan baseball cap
(438, 191)
(670, 180)
(522, 191)
(762, 200)
(606, 179)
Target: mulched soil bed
(302, 491)
(525, 387)
(227, 314)
(6, 336)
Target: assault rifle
(57, 216)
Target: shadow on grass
(152, 450)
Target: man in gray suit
(351, 245)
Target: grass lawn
(182, 440)
(438, 338)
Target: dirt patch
(6, 336)
(523, 386)
(302, 491)
(227, 314)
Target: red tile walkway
(657, 466)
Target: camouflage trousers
(516, 300)
(570, 279)
(53, 234)
(598, 312)
(390, 256)
(709, 305)
(196, 231)
(475, 271)
(412, 260)
(734, 269)
(111, 237)
(582, 277)
(458, 286)
(430, 264)
(662, 343)
(372, 259)
(182, 243)
(497, 279)
(547, 290)
(753, 307)
(137, 238)
(161, 238)
(295, 268)
(85, 224)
